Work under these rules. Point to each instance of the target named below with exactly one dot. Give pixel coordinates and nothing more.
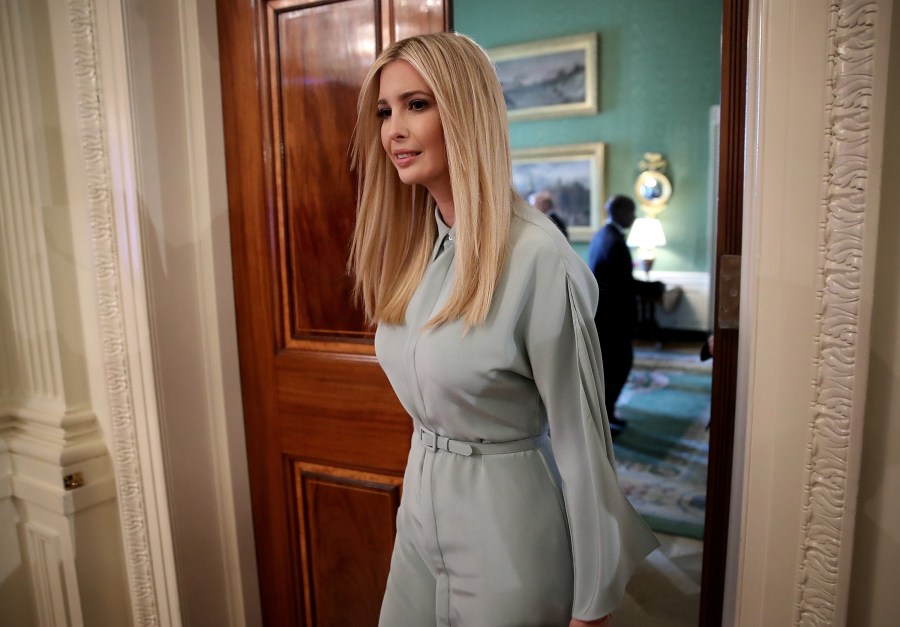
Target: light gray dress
(530, 531)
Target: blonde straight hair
(395, 229)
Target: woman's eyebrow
(406, 95)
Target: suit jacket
(612, 266)
(559, 222)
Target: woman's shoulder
(535, 238)
(540, 253)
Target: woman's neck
(447, 215)
(443, 198)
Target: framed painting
(549, 78)
(572, 175)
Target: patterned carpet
(661, 459)
(662, 455)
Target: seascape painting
(548, 78)
(552, 79)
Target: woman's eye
(384, 113)
(417, 105)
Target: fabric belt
(434, 442)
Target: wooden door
(728, 245)
(326, 438)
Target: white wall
(175, 98)
(692, 310)
(53, 428)
(116, 322)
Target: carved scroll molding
(826, 523)
(122, 377)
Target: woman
(485, 331)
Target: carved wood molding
(826, 516)
(119, 379)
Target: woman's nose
(397, 127)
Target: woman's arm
(558, 334)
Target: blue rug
(661, 456)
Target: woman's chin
(406, 179)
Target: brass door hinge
(729, 281)
(75, 480)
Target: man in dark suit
(543, 201)
(616, 317)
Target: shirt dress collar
(446, 235)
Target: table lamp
(646, 235)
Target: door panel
(326, 437)
(318, 57)
(349, 412)
(343, 515)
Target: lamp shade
(646, 233)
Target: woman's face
(411, 130)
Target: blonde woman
(511, 511)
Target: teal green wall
(659, 76)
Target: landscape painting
(572, 175)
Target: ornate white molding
(145, 533)
(827, 516)
(48, 576)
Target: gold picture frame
(573, 176)
(549, 78)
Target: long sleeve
(608, 537)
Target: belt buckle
(429, 439)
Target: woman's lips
(405, 158)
